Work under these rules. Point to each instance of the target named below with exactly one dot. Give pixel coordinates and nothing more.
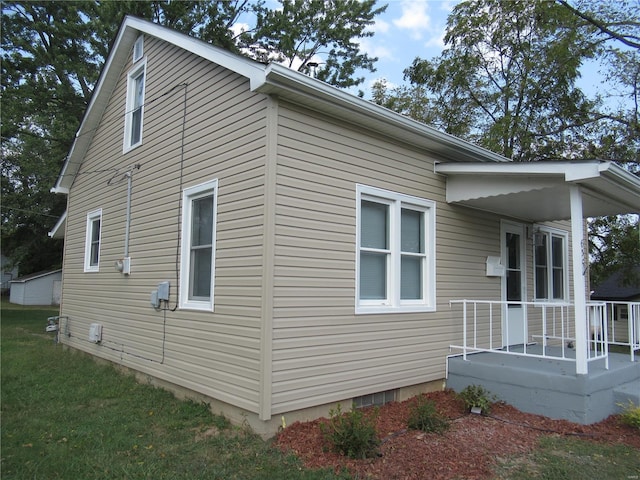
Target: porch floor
(550, 386)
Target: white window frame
(188, 196)
(551, 232)
(140, 68)
(138, 49)
(91, 218)
(396, 202)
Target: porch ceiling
(539, 191)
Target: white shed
(41, 288)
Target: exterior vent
(375, 399)
(95, 333)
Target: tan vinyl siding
(216, 354)
(322, 351)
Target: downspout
(128, 216)
(579, 282)
(124, 265)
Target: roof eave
(287, 83)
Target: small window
(138, 49)
(550, 258)
(135, 107)
(198, 246)
(92, 241)
(395, 252)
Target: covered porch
(545, 354)
(539, 375)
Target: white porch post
(579, 282)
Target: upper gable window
(135, 107)
(395, 261)
(551, 265)
(92, 241)
(138, 49)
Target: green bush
(477, 396)
(424, 416)
(631, 415)
(352, 433)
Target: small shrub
(631, 415)
(477, 396)
(352, 433)
(424, 416)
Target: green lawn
(65, 416)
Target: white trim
(59, 226)
(188, 195)
(134, 73)
(565, 263)
(578, 264)
(91, 217)
(138, 49)
(393, 303)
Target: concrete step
(625, 393)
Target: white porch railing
(536, 329)
(623, 320)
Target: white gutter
(282, 80)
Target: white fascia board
(246, 67)
(99, 98)
(59, 226)
(279, 79)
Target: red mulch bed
(469, 449)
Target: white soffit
(539, 191)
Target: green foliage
(424, 416)
(631, 415)
(321, 31)
(52, 53)
(614, 247)
(64, 416)
(477, 396)
(509, 71)
(352, 433)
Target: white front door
(513, 283)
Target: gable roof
(267, 79)
(476, 177)
(614, 289)
(33, 276)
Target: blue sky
(415, 28)
(406, 30)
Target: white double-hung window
(134, 113)
(551, 268)
(395, 254)
(92, 241)
(198, 246)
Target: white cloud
(238, 28)
(373, 48)
(414, 18)
(381, 26)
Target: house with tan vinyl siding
(249, 236)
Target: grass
(559, 458)
(66, 417)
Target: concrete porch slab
(549, 386)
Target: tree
(47, 77)
(52, 53)
(318, 37)
(507, 78)
(614, 245)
